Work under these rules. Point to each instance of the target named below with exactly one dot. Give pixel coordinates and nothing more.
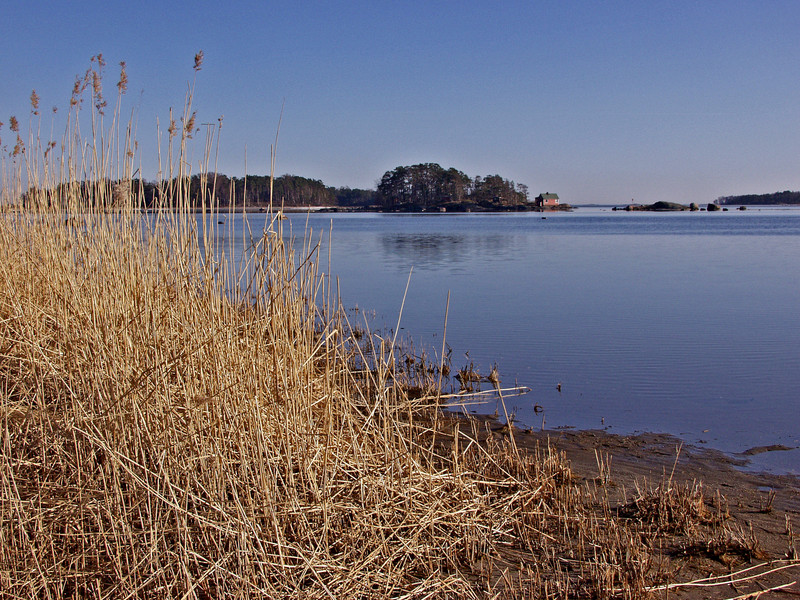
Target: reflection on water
(449, 251)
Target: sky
(600, 102)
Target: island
(780, 198)
(429, 187)
(660, 206)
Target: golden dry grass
(175, 426)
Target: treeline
(254, 190)
(408, 188)
(429, 186)
(202, 189)
(786, 197)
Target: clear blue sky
(597, 101)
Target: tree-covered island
(430, 187)
(785, 198)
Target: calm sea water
(681, 323)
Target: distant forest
(419, 187)
(786, 197)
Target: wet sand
(767, 504)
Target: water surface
(682, 323)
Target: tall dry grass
(175, 426)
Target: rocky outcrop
(660, 206)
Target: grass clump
(174, 425)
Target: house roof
(548, 196)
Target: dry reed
(177, 426)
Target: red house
(544, 200)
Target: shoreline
(762, 509)
(746, 460)
(232, 210)
(651, 455)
